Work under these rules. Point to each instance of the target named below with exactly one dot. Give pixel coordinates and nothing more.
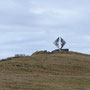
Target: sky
(27, 26)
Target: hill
(46, 71)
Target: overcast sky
(30, 25)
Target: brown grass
(42, 71)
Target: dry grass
(42, 71)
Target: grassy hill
(46, 71)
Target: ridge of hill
(46, 71)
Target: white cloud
(27, 26)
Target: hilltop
(46, 71)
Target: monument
(59, 43)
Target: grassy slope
(59, 71)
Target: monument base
(66, 50)
(57, 50)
